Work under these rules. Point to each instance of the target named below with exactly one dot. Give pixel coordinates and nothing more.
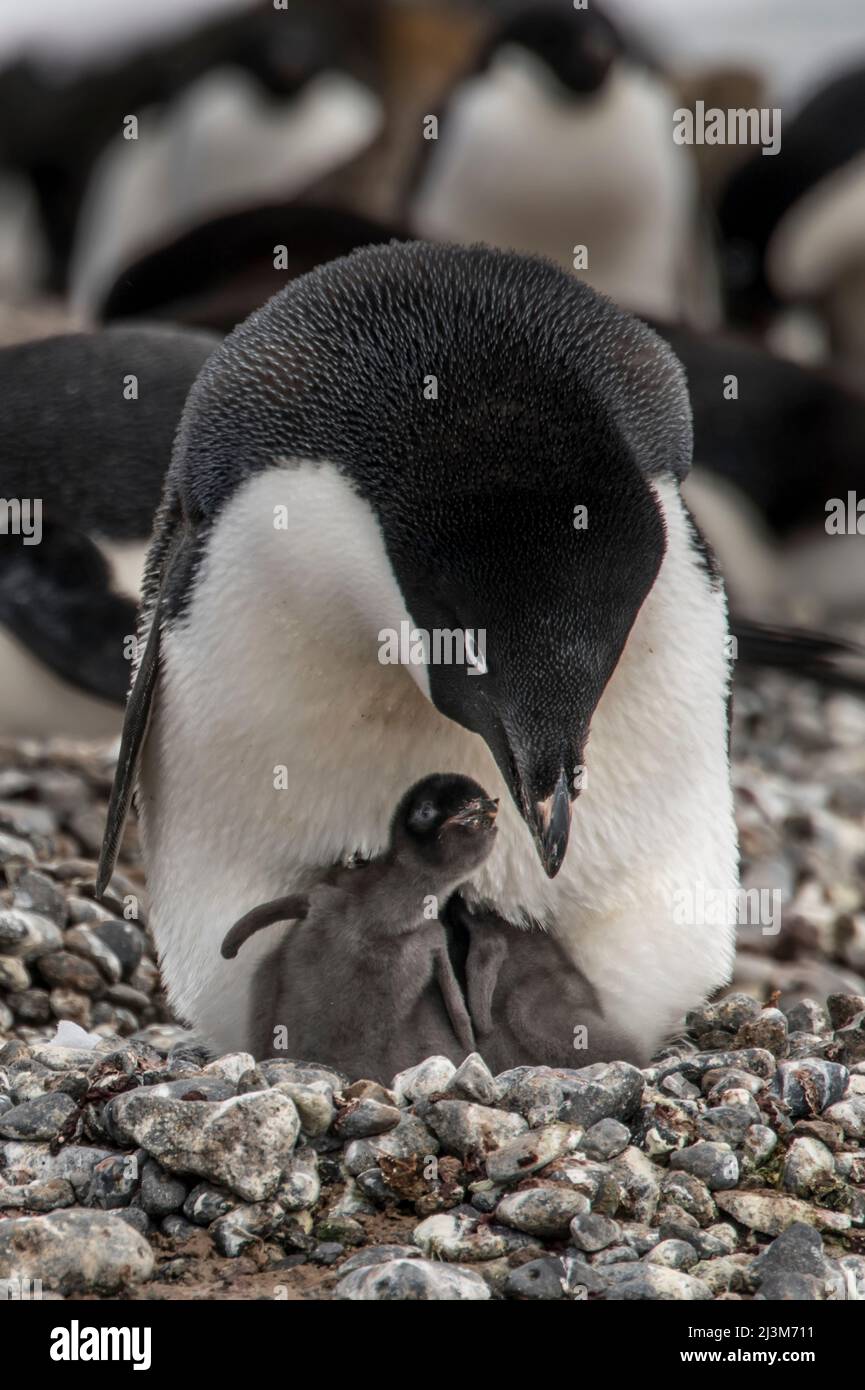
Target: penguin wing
(168, 555)
(56, 600)
(832, 661)
(487, 954)
(454, 1002)
(294, 907)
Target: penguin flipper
(454, 1002)
(487, 953)
(834, 662)
(132, 739)
(294, 907)
(56, 600)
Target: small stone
(849, 1114)
(62, 969)
(113, 1182)
(85, 943)
(175, 1227)
(161, 1192)
(604, 1090)
(852, 1039)
(842, 1007)
(473, 1080)
(301, 1186)
(653, 1283)
(42, 1118)
(471, 1130)
(244, 1143)
(37, 1196)
(536, 1280)
(807, 1017)
(729, 1013)
(75, 1252)
(591, 1232)
(36, 892)
(136, 1218)
(640, 1183)
(772, 1212)
(715, 1164)
(28, 935)
(314, 1105)
(673, 1254)
(244, 1226)
(796, 1255)
(14, 974)
(691, 1194)
(362, 1118)
(458, 1235)
(542, 1211)
(426, 1079)
(808, 1166)
(605, 1139)
(809, 1085)
(759, 1061)
(71, 1004)
(231, 1067)
(767, 1030)
(340, 1228)
(728, 1124)
(125, 940)
(758, 1146)
(717, 1080)
(530, 1152)
(720, 1239)
(206, 1204)
(410, 1137)
(379, 1254)
(412, 1281)
(327, 1253)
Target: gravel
(733, 1167)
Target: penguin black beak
(551, 823)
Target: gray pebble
(715, 1164)
(591, 1232)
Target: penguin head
(501, 425)
(446, 822)
(576, 48)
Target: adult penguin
(475, 445)
(85, 441)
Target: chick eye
(423, 814)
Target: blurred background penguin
(179, 164)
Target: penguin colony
(426, 416)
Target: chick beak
(482, 808)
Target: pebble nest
(133, 1164)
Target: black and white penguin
(218, 272)
(791, 225)
(463, 442)
(261, 72)
(85, 441)
(766, 461)
(561, 137)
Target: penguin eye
(423, 815)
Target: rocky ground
(133, 1165)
